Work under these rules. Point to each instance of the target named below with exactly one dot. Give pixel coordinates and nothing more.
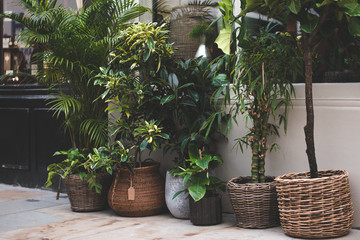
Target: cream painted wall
(337, 130)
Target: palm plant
(261, 85)
(318, 20)
(71, 48)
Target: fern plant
(71, 48)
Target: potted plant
(311, 195)
(134, 66)
(138, 188)
(188, 87)
(262, 91)
(205, 202)
(87, 178)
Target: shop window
(17, 59)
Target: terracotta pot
(147, 197)
(207, 211)
(82, 199)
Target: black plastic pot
(206, 211)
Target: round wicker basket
(255, 204)
(149, 196)
(315, 207)
(82, 199)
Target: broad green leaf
(188, 102)
(325, 2)
(82, 175)
(186, 179)
(197, 192)
(251, 5)
(173, 80)
(150, 43)
(194, 96)
(354, 26)
(178, 193)
(204, 162)
(219, 80)
(193, 151)
(224, 39)
(166, 99)
(352, 9)
(295, 6)
(184, 144)
(146, 55)
(144, 144)
(197, 188)
(309, 25)
(186, 85)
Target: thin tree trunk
(255, 148)
(309, 128)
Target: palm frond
(96, 129)
(64, 104)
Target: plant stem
(309, 128)
(255, 144)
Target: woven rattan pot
(82, 199)
(149, 196)
(255, 204)
(315, 207)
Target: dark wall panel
(29, 135)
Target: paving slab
(41, 217)
(25, 220)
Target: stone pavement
(35, 214)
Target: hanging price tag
(131, 193)
(131, 190)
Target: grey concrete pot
(179, 207)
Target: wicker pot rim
(151, 165)
(232, 183)
(77, 176)
(325, 175)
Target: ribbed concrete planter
(179, 207)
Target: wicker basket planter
(315, 208)
(255, 204)
(149, 196)
(206, 211)
(82, 199)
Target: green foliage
(102, 160)
(336, 20)
(224, 39)
(75, 163)
(263, 89)
(71, 46)
(261, 80)
(130, 88)
(198, 174)
(185, 90)
(151, 133)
